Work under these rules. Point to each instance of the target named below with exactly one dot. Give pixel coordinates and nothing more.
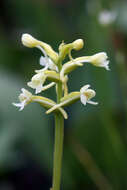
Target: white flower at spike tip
(24, 98)
(47, 63)
(86, 94)
(37, 82)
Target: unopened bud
(78, 44)
(29, 41)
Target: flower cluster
(55, 73)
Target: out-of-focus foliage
(101, 131)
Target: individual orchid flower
(84, 95)
(47, 63)
(98, 60)
(38, 80)
(25, 98)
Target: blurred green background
(95, 145)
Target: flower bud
(78, 44)
(29, 41)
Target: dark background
(95, 145)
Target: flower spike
(57, 73)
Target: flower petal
(83, 99)
(38, 89)
(92, 102)
(84, 88)
(21, 105)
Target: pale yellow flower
(25, 98)
(86, 94)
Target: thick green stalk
(58, 152)
(58, 147)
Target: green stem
(58, 150)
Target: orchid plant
(56, 73)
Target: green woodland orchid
(56, 73)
